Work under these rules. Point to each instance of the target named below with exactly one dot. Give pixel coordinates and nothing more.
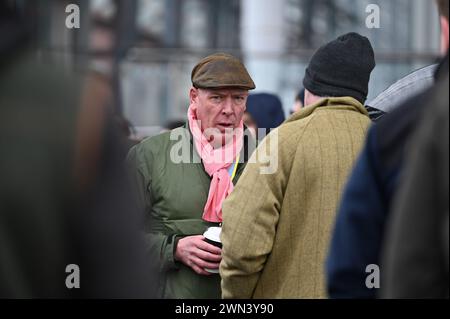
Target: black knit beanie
(341, 68)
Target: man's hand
(197, 254)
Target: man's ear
(245, 104)
(307, 97)
(444, 35)
(193, 96)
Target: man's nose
(227, 106)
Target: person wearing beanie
(183, 176)
(277, 223)
(340, 68)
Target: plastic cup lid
(213, 233)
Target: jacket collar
(336, 103)
(442, 69)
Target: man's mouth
(225, 126)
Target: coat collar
(442, 69)
(330, 103)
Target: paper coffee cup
(212, 236)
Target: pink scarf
(216, 163)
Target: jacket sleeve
(160, 246)
(358, 230)
(415, 252)
(251, 215)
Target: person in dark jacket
(366, 201)
(416, 246)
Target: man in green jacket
(183, 176)
(276, 226)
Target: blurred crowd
(356, 207)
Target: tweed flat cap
(221, 70)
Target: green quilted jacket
(172, 192)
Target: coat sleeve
(358, 230)
(251, 215)
(160, 246)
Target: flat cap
(221, 70)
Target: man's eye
(215, 98)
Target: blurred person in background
(264, 112)
(276, 226)
(128, 134)
(367, 199)
(181, 198)
(250, 123)
(173, 124)
(64, 196)
(299, 101)
(410, 85)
